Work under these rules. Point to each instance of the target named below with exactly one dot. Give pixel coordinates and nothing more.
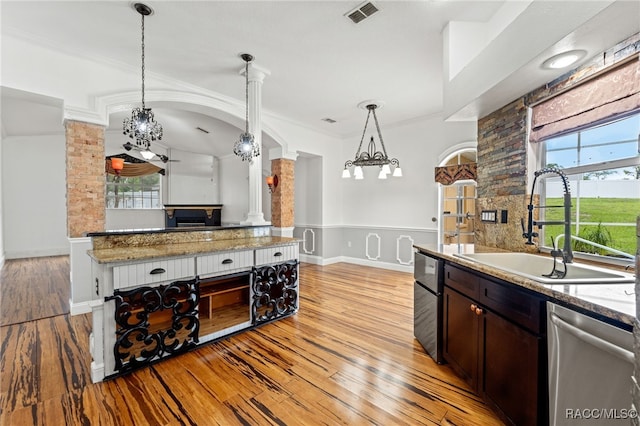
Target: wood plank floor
(347, 358)
(34, 288)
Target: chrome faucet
(566, 253)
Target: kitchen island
(162, 292)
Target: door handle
(157, 271)
(227, 261)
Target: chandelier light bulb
(346, 174)
(397, 172)
(386, 169)
(382, 174)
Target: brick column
(85, 178)
(282, 199)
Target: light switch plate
(490, 216)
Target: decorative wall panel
(306, 239)
(407, 250)
(377, 245)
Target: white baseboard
(317, 260)
(25, 254)
(79, 308)
(376, 264)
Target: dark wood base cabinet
(494, 337)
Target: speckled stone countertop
(115, 247)
(613, 301)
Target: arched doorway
(456, 177)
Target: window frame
(632, 161)
(139, 187)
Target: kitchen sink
(533, 266)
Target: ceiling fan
(147, 154)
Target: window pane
(605, 200)
(613, 141)
(133, 192)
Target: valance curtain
(132, 167)
(448, 175)
(605, 97)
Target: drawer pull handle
(473, 307)
(277, 254)
(227, 261)
(157, 271)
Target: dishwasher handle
(593, 340)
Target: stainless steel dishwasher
(427, 303)
(590, 369)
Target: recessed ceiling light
(564, 59)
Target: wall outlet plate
(489, 216)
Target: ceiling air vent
(329, 120)
(362, 12)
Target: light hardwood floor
(348, 357)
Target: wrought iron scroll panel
(154, 322)
(275, 291)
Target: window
(140, 192)
(603, 166)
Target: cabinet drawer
(224, 263)
(279, 254)
(520, 307)
(152, 272)
(463, 281)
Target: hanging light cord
(375, 118)
(371, 109)
(142, 14)
(246, 97)
(363, 133)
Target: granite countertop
(613, 301)
(128, 254)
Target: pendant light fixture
(372, 157)
(246, 146)
(142, 127)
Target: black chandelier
(246, 146)
(142, 127)
(372, 157)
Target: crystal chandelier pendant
(142, 127)
(246, 147)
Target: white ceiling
(321, 64)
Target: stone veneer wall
(282, 199)
(502, 179)
(502, 153)
(85, 178)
